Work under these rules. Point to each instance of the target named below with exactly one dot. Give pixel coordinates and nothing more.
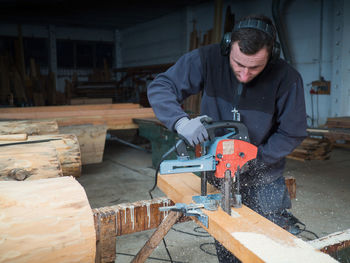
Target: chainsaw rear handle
(241, 131)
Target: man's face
(247, 67)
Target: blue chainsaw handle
(241, 130)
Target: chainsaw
(224, 156)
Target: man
(250, 83)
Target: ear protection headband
(255, 24)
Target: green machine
(160, 137)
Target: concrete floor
(126, 175)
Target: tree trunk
(68, 152)
(48, 220)
(39, 157)
(29, 161)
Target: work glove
(192, 130)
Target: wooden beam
(115, 116)
(14, 137)
(71, 108)
(248, 235)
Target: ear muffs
(258, 24)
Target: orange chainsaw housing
(231, 154)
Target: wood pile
(339, 122)
(339, 131)
(19, 88)
(312, 149)
(88, 122)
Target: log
(68, 152)
(248, 235)
(29, 161)
(48, 220)
(28, 127)
(66, 148)
(91, 139)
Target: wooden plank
(249, 236)
(90, 101)
(338, 122)
(69, 108)
(113, 117)
(14, 137)
(72, 113)
(125, 219)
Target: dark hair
(251, 40)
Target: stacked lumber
(312, 149)
(86, 100)
(47, 220)
(115, 116)
(88, 122)
(19, 88)
(338, 122)
(339, 131)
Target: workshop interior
(88, 173)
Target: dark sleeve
(169, 89)
(291, 125)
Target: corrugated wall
(160, 41)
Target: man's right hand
(192, 130)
